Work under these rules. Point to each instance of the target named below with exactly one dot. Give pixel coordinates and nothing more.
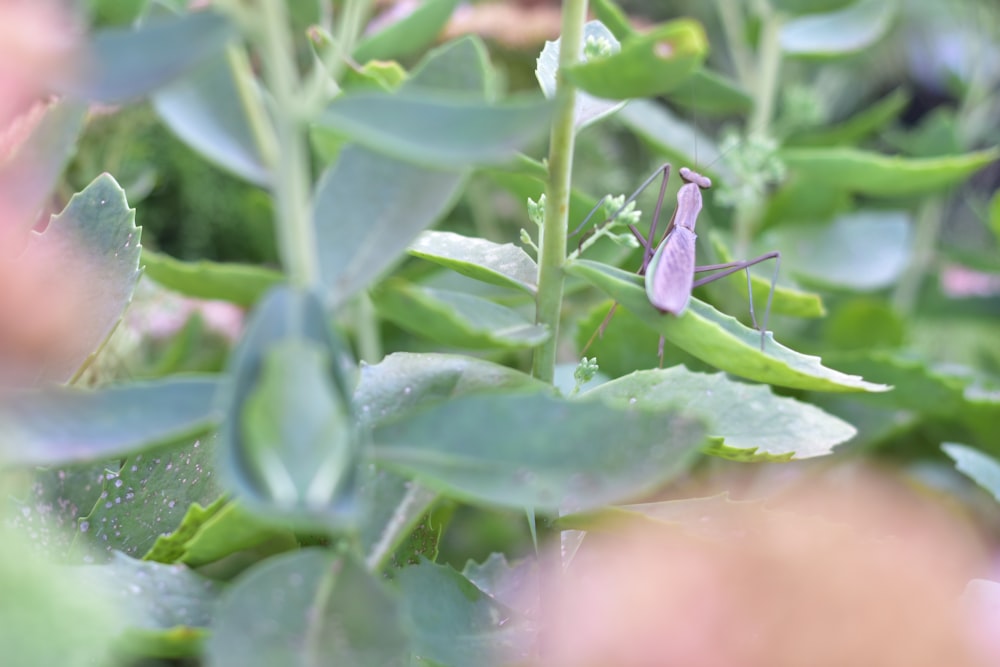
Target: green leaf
(627, 344)
(843, 31)
(84, 513)
(668, 135)
(588, 109)
(786, 300)
(810, 6)
(873, 174)
(864, 250)
(64, 425)
(459, 66)
(455, 318)
(242, 284)
(952, 393)
(982, 469)
(385, 75)
(167, 608)
(748, 422)
(994, 221)
(368, 209)
(801, 200)
(455, 623)
(49, 511)
(538, 451)
(527, 180)
(711, 93)
(937, 134)
(718, 339)
(204, 110)
(228, 531)
(308, 476)
(409, 35)
(423, 539)
(128, 63)
(169, 547)
(856, 128)
(298, 439)
(403, 380)
(864, 323)
(114, 12)
(147, 495)
(647, 65)
(437, 130)
(502, 264)
(513, 585)
(49, 615)
(311, 607)
(70, 285)
(614, 18)
(399, 504)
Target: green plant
(271, 501)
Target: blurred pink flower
(869, 573)
(38, 41)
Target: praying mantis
(669, 266)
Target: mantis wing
(670, 274)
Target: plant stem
(733, 25)
(765, 88)
(290, 171)
(553, 235)
(766, 77)
(366, 328)
(929, 219)
(246, 87)
(352, 20)
(416, 496)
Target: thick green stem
(290, 171)
(553, 235)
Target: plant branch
(907, 292)
(246, 87)
(765, 88)
(552, 241)
(766, 77)
(290, 171)
(352, 21)
(733, 25)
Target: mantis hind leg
(729, 268)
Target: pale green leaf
(647, 65)
(455, 318)
(310, 607)
(242, 284)
(502, 264)
(874, 174)
(66, 425)
(984, 470)
(843, 31)
(537, 451)
(718, 339)
(748, 421)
